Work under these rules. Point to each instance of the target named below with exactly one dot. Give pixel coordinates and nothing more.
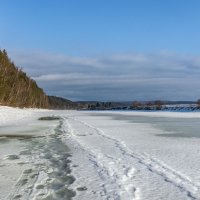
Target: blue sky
(106, 49)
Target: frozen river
(137, 155)
(99, 155)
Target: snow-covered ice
(137, 155)
(34, 162)
(119, 155)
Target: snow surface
(129, 159)
(119, 155)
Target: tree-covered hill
(61, 103)
(18, 90)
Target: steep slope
(61, 103)
(16, 88)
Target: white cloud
(117, 77)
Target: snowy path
(121, 167)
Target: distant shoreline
(170, 108)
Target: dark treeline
(142, 105)
(97, 105)
(60, 103)
(19, 90)
(150, 105)
(136, 105)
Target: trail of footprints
(49, 178)
(117, 173)
(168, 174)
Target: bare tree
(136, 105)
(158, 104)
(198, 103)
